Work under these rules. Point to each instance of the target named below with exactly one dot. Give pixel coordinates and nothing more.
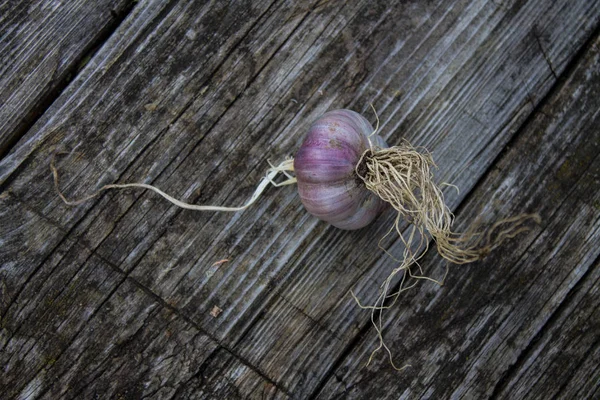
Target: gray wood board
(42, 46)
(195, 100)
(523, 323)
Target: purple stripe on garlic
(325, 170)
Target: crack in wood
(58, 84)
(537, 36)
(529, 350)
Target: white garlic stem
(269, 178)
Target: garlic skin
(325, 170)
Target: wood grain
(522, 323)
(44, 44)
(195, 99)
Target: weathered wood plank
(42, 45)
(315, 311)
(564, 360)
(520, 323)
(583, 382)
(224, 377)
(26, 240)
(195, 101)
(152, 352)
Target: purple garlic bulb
(325, 170)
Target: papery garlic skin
(325, 170)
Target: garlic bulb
(325, 170)
(346, 175)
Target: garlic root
(402, 177)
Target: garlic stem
(269, 178)
(376, 127)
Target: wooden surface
(114, 298)
(44, 45)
